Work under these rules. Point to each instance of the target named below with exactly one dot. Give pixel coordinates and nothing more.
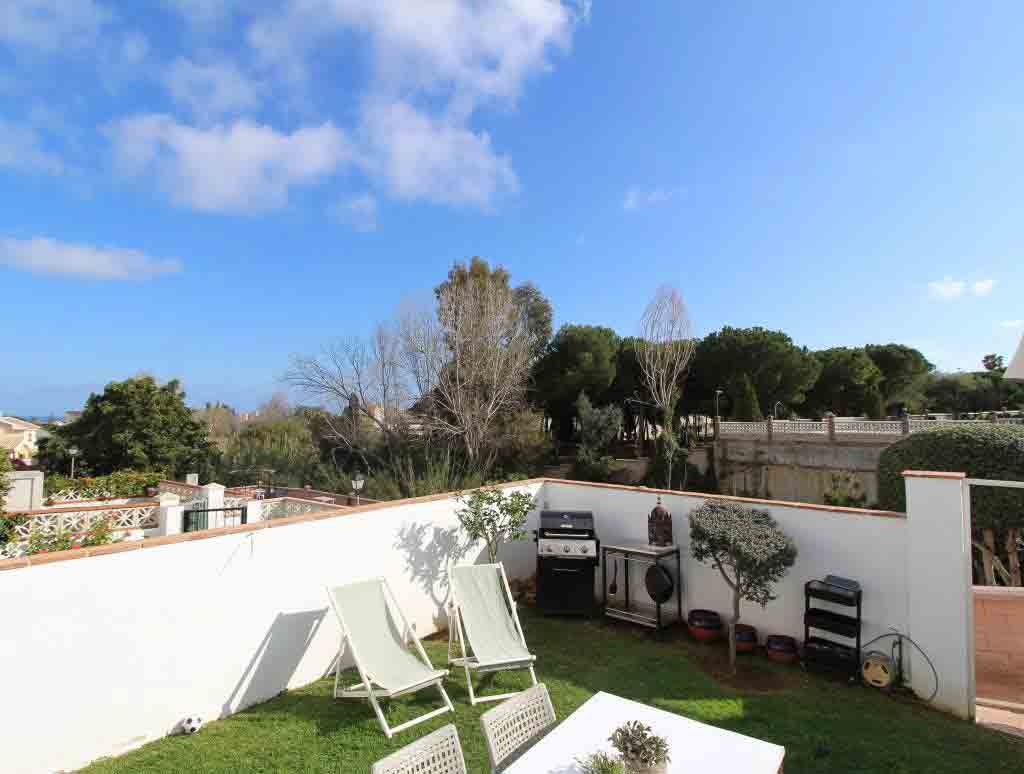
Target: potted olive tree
(747, 547)
(494, 516)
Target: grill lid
(560, 522)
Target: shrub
(121, 483)
(981, 451)
(99, 533)
(599, 427)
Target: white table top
(693, 746)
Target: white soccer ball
(191, 724)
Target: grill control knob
(567, 549)
(584, 550)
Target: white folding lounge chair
(483, 614)
(379, 642)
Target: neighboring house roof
(15, 424)
(12, 440)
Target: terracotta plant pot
(746, 638)
(782, 649)
(704, 625)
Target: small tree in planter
(494, 516)
(748, 549)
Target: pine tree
(745, 406)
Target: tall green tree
(904, 375)
(286, 446)
(745, 405)
(580, 358)
(777, 368)
(138, 424)
(529, 300)
(848, 384)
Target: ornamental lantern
(659, 526)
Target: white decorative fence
(57, 520)
(833, 427)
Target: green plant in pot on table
(642, 751)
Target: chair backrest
(436, 753)
(484, 605)
(512, 724)
(375, 635)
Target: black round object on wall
(659, 584)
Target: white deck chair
(380, 651)
(483, 614)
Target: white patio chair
(510, 727)
(437, 753)
(483, 615)
(378, 641)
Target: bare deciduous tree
(365, 382)
(470, 363)
(664, 350)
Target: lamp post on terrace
(73, 451)
(357, 485)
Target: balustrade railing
(59, 520)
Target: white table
(693, 746)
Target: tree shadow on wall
(429, 551)
(275, 659)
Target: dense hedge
(981, 451)
(123, 483)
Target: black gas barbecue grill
(567, 556)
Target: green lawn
(824, 725)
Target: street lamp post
(73, 451)
(357, 485)
(775, 408)
(717, 393)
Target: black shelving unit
(824, 652)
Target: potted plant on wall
(642, 751)
(747, 547)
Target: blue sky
(199, 188)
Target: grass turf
(825, 726)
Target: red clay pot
(781, 649)
(704, 625)
(746, 638)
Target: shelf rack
(633, 608)
(823, 651)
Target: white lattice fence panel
(136, 517)
(79, 495)
(184, 491)
(799, 426)
(869, 426)
(744, 428)
(934, 424)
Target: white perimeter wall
(108, 652)
(869, 549)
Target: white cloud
(637, 198)
(52, 25)
(134, 49)
(210, 90)
(48, 256)
(420, 157)
(1012, 324)
(21, 148)
(983, 287)
(949, 288)
(359, 212)
(946, 289)
(451, 55)
(241, 167)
